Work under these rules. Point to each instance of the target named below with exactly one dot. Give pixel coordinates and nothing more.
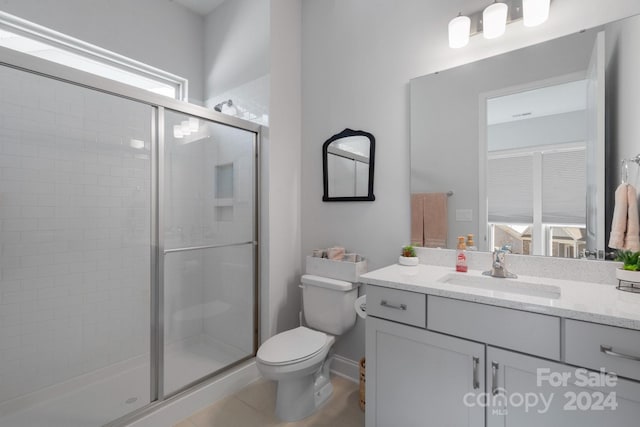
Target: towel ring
(624, 171)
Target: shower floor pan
(99, 397)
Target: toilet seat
(295, 345)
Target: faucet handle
(498, 258)
(499, 264)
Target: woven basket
(362, 383)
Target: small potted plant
(630, 270)
(408, 256)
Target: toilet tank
(328, 304)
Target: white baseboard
(346, 368)
(185, 406)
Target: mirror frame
(325, 171)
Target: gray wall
(281, 222)
(358, 57)
(236, 55)
(158, 33)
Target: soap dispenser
(461, 256)
(471, 246)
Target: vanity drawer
(600, 346)
(532, 333)
(397, 305)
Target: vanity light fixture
(535, 12)
(492, 21)
(459, 30)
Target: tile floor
(254, 407)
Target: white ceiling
(202, 7)
(546, 101)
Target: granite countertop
(591, 302)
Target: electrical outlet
(465, 215)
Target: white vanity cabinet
(526, 391)
(435, 360)
(418, 378)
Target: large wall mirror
(530, 141)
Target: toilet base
(297, 398)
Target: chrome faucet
(499, 266)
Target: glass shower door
(75, 237)
(208, 228)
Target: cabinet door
(417, 378)
(524, 391)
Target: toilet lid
(289, 346)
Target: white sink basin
(512, 286)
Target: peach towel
(625, 227)
(632, 238)
(417, 219)
(435, 220)
(619, 222)
(429, 220)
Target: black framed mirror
(347, 167)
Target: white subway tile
(19, 224)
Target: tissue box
(339, 270)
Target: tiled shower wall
(74, 231)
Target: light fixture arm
(514, 14)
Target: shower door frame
(30, 64)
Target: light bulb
(535, 12)
(494, 20)
(177, 132)
(184, 127)
(136, 143)
(194, 124)
(459, 29)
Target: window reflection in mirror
(536, 169)
(348, 162)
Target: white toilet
(299, 359)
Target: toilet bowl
(300, 359)
(302, 372)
